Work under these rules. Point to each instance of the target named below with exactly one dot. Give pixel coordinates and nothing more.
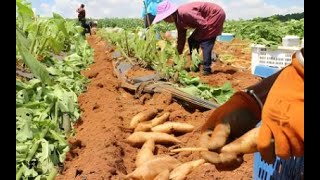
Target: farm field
(98, 150)
(75, 108)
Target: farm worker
(279, 102)
(82, 19)
(81, 14)
(205, 18)
(93, 27)
(149, 11)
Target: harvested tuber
(170, 127)
(143, 116)
(222, 158)
(216, 138)
(138, 138)
(150, 169)
(161, 119)
(146, 152)
(143, 126)
(164, 175)
(181, 172)
(146, 126)
(246, 144)
(187, 149)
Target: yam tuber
(170, 127)
(246, 144)
(150, 169)
(216, 138)
(146, 152)
(143, 126)
(146, 126)
(164, 175)
(143, 116)
(181, 172)
(222, 158)
(138, 138)
(187, 149)
(161, 119)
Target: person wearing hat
(205, 18)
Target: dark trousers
(85, 25)
(151, 18)
(206, 46)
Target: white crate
(291, 41)
(278, 58)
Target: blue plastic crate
(291, 169)
(265, 71)
(225, 37)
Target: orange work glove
(231, 120)
(283, 116)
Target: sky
(235, 9)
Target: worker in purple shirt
(205, 18)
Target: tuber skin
(143, 126)
(170, 127)
(160, 120)
(146, 126)
(146, 152)
(215, 139)
(232, 152)
(188, 149)
(142, 116)
(151, 169)
(164, 175)
(246, 144)
(139, 138)
(181, 172)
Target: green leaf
(56, 46)
(62, 156)
(54, 71)
(37, 69)
(24, 131)
(192, 90)
(223, 93)
(195, 61)
(25, 14)
(20, 85)
(45, 151)
(59, 138)
(24, 41)
(60, 22)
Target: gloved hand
(231, 154)
(283, 116)
(231, 120)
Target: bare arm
(262, 88)
(181, 40)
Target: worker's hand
(231, 120)
(168, 36)
(231, 155)
(283, 117)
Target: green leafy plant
(46, 106)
